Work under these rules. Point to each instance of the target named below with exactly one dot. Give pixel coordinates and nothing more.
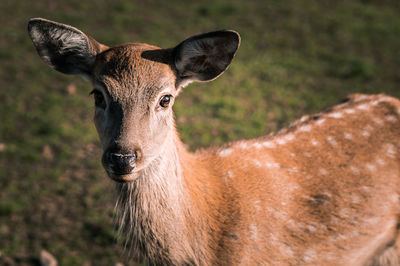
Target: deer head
(134, 86)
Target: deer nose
(122, 163)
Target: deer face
(133, 108)
(134, 86)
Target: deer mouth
(122, 178)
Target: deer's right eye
(99, 100)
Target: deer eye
(99, 100)
(165, 100)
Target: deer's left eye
(99, 100)
(165, 100)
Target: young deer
(324, 191)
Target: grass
(296, 57)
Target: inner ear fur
(206, 56)
(64, 47)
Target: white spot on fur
(309, 255)
(391, 118)
(365, 188)
(303, 118)
(314, 142)
(330, 256)
(305, 128)
(345, 212)
(368, 128)
(253, 231)
(257, 205)
(282, 131)
(380, 161)
(337, 237)
(333, 220)
(273, 238)
(365, 133)
(347, 135)
(354, 170)
(289, 137)
(370, 167)
(372, 220)
(276, 165)
(359, 98)
(331, 140)
(292, 225)
(390, 150)
(277, 214)
(323, 227)
(281, 215)
(377, 121)
(363, 107)
(257, 145)
(311, 227)
(320, 122)
(336, 115)
(229, 174)
(257, 163)
(292, 186)
(385, 208)
(395, 198)
(293, 169)
(268, 144)
(225, 153)
(355, 199)
(243, 145)
(285, 249)
(349, 111)
(281, 141)
(269, 165)
(375, 102)
(307, 154)
(352, 234)
(323, 171)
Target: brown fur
(323, 191)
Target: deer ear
(206, 56)
(63, 47)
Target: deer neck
(158, 214)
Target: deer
(322, 191)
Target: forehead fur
(133, 70)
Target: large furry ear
(206, 56)
(63, 47)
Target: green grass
(296, 57)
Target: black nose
(122, 163)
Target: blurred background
(296, 57)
